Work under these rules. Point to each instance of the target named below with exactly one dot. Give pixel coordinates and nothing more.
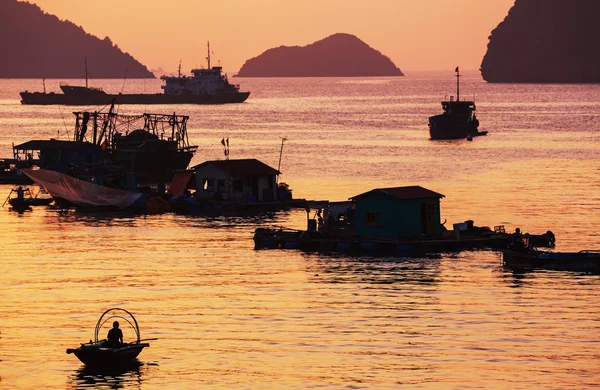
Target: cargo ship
(204, 86)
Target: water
(230, 317)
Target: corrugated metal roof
(241, 167)
(409, 192)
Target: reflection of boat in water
(583, 261)
(101, 352)
(205, 86)
(458, 121)
(109, 377)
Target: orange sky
(415, 34)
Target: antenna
(457, 84)
(208, 57)
(283, 139)
(179, 70)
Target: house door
(428, 223)
(255, 187)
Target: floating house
(247, 180)
(406, 212)
(58, 155)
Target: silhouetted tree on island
(35, 44)
(339, 55)
(545, 41)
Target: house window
(207, 185)
(374, 218)
(221, 186)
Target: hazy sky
(415, 34)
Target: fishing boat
(149, 146)
(64, 188)
(458, 121)
(582, 261)
(25, 199)
(205, 86)
(101, 352)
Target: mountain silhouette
(35, 44)
(545, 41)
(339, 55)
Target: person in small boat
(115, 336)
(516, 242)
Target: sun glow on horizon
(416, 35)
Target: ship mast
(86, 72)
(457, 84)
(208, 56)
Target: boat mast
(457, 84)
(86, 72)
(208, 56)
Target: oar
(155, 338)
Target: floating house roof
(53, 143)
(409, 192)
(241, 167)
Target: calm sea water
(230, 317)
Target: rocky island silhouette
(39, 45)
(339, 55)
(545, 41)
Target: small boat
(82, 193)
(102, 353)
(458, 121)
(582, 261)
(25, 198)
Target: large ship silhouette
(204, 86)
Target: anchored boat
(104, 353)
(582, 261)
(204, 86)
(458, 121)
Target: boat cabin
(463, 108)
(398, 212)
(247, 180)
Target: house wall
(264, 182)
(208, 172)
(381, 216)
(252, 187)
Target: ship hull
(445, 127)
(40, 98)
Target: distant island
(339, 55)
(39, 45)
(545, 41)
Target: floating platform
(316, 241)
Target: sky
(414, 34)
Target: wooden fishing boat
(25, 199)
(102, 352)
(582, 261)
